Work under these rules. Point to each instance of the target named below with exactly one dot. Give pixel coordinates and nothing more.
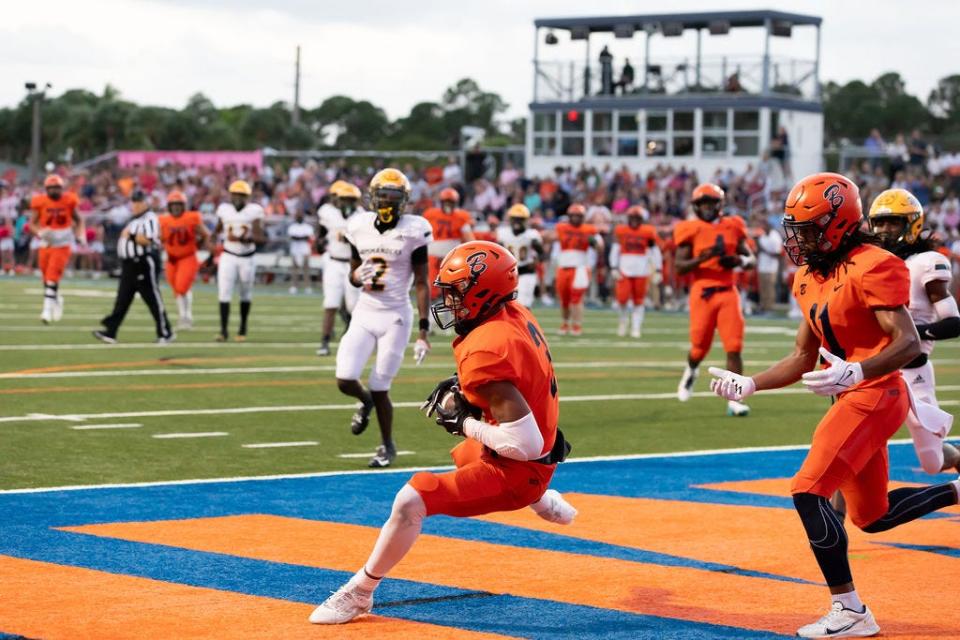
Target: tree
(351, 124)
(944, 100)
(465, 103)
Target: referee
(139, 252)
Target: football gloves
(420, 350)
(730, 262)
(365, 274)
(429, 405)
(837, 378)
(450, 419)
(730, 385)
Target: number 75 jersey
(391, 252)
(840, 308)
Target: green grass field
(617, 393)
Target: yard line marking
(322, 474)
(80, 417)
(270, 445)
(370, 453)
(120, 425)
(196, 434)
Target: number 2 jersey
(840, 308)
(240, 225)
(510, 347)
(179, 233)
(391, 252)
(521, 246)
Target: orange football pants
(849, 450)
(481, 483)
(720, 311)
(181, 272)
(631, 289)
(565, 291)
(53, 261)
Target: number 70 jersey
(391, 252)
(840, 308)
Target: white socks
(396, 537)
(637, 319)
(849, 600)
(553, 508)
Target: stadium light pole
(35, 97)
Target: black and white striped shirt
(147, 224)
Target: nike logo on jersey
(837, 288)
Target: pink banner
(215, 159)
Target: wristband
(424, 324)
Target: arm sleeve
(886, 284)
(517, 440)
(419, 255)
(937, 268)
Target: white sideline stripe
(122, 425)
(196, 434)
(114, 373)
(323, 474)
(80, 417)
(271, 445)
(370, 453)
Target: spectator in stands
(780, 151)
(875, 146)
(606, 72)
(769, 250)
(917, 149)
(626, 77)
(732, 85)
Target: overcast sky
(397, 54)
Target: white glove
(730, 385)
(365, 274)
(420, 350)
(615, 274)
(840, 376)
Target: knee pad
(379, 381)
(823, 526)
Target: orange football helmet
(450, 195)
(53, 180)
(475, 280)
(707, 191)
(636, 214)
(176, 197)
(707, 200)
(820, 211)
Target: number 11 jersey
(840, 308)
(391, 253)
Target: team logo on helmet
(832, 193)
(476, 262)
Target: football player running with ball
(896, 216)
(711, 246)
(853, 295)
(389, 253)
(503, 400)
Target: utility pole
(296, 91)
(35, 97)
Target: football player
(301, 237)
(526, 245)
(451, 226)
(896, 216)
(338, 293)
(182, 232)
(574, 241)
(241, 222)
(854, 298)
(710, 246)
(55, 222)
(389, 253)
(631, 263)
(503, 401)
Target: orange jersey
(180, 233)
(701, 235)
(573, 238)
(510, 347)
(840, 308)
(448, 226)
(55, 214)
(636, 241)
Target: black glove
(432, 403)
(452, 419)
(729, 262)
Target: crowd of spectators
(284, 189)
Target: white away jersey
(391, 251)
(240, 225)
(521, 246)
(300, 232)
(925, 267)
(331, 219)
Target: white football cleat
(553, 508)
(292, 291)
(345, 604)
(185, 322)
(842, 623)
(635, 333)
(46, 316)
(622, 329)
(737, 409)
(685, 388)
(58, 309)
